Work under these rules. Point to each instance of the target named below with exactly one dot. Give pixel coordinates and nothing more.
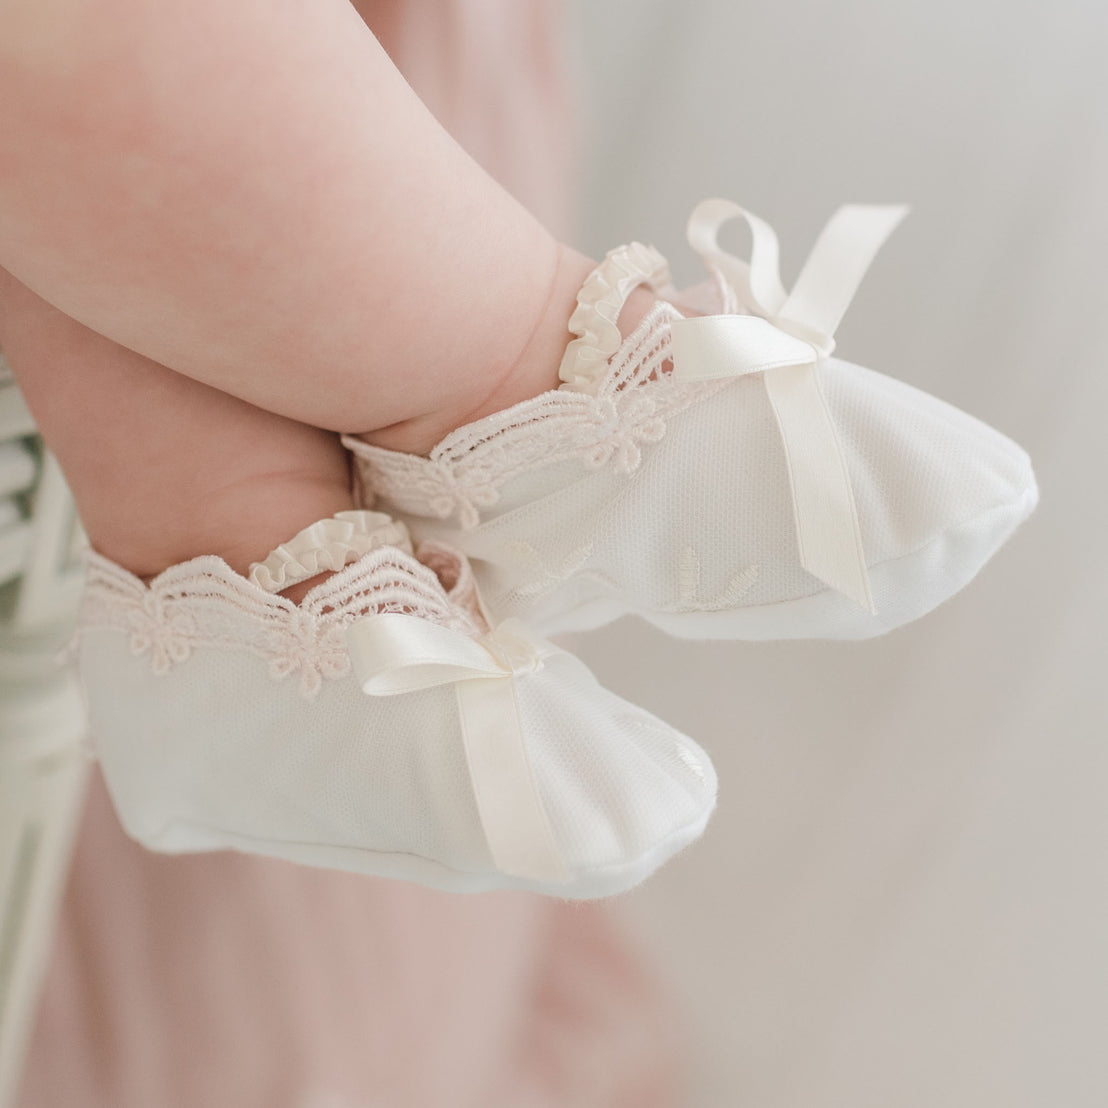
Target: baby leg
(251, 195)
(164, 468)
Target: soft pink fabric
(494, 73)
(222, 981)
(226, 981)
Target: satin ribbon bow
(393, 653)
(785, 340)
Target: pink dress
(227, 981)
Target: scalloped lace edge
(616, 400)
(203, 603)
(464, 473)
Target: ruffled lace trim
(595, 319)
(329, 544)
(203, 603)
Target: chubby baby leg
(164, 468)
(251, 195)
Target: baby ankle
(532, 372)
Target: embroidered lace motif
(204, 603)
(599, 422)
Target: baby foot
(381, 726)
(728, 477)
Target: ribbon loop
(393, 653)
(758, 284)
(785, 340)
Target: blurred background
(903, 897)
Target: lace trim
(465, 472)
(204, 603)
(329, 544)
(595, 319)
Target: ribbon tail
(837, 263)
(517, 828)
(828, 534)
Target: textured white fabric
(393, 653)
(672, 499)
(206, 744)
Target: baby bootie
(381, 726)
(722, 477)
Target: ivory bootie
(380, 726)
(724, 476)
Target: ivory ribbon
(786, 340)
(393, 653)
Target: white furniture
(43, 761)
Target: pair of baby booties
(722, 477)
